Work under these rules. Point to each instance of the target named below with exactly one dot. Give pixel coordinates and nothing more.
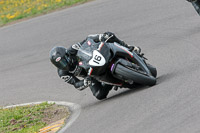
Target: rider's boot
(131, 48)
(99, 90)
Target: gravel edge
(75, 111)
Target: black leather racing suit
(99, 90)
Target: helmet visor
(63, 63)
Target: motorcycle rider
(68, 66)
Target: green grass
(12, 10)
(24, 119)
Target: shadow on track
(165, 77)
(126, 92)
(114, 97)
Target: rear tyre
(121, 72)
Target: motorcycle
(115, 65)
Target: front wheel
(124, 73)
(152, 70)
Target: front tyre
(124, 73)
(152, 70)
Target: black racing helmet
(60, 58)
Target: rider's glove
(137, 49)
(134, 48)
(87, 81)
(107, 35)
(83, 84)
(82, 88)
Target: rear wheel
(122, 72)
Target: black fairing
(85, 54)
(112, 53)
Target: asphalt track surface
(168, 33)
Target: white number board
(97, 59)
